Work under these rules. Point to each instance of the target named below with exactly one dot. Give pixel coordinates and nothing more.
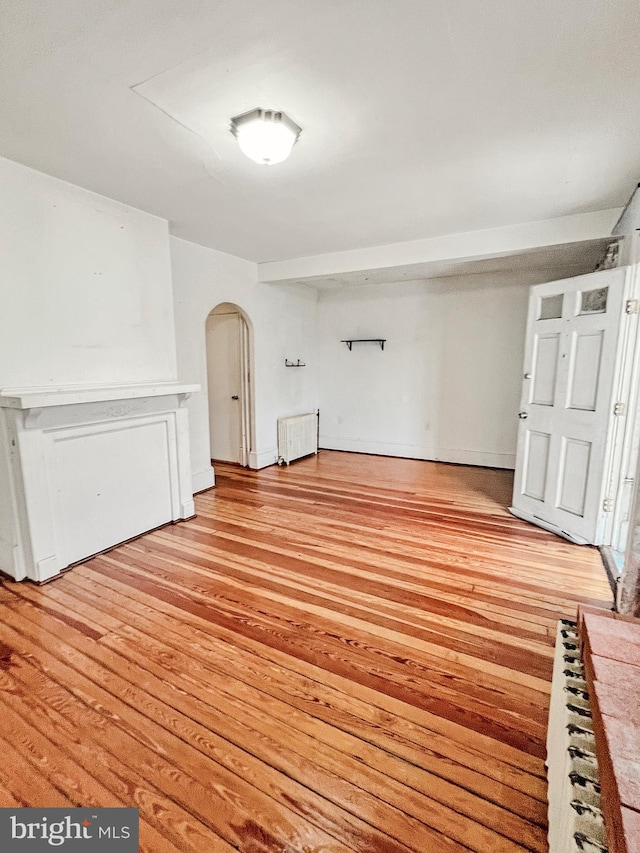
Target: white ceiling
(420, 117)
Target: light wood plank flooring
(351, 655)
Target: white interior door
(224, 360)
(567, 406)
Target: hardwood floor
(351, 655)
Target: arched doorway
(228, 342)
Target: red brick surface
(611, 638)
(618, 699)
(612, 672)
(623, 741)
(611, 654)
(631, 825)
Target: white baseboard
(47, 568)
(485, 458)
(263, 459)
(378, 448)
(187, 509)
(412, 451)
(10, 563)
(202, 480)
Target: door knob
(523, 415)
(235, 397)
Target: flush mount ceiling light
(265, 136)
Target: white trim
(378, 448)
(41, 398)
(487, 459)
(202, 480)
(47, 568)
(622, 484)
(245, 390)
(10, 561)
(263, 459)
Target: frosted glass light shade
(265, 136)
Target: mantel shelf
(351, 341)
(40, 398)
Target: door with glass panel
(571, 364)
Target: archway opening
(228, 344)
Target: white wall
(447, 385)
(483, 331)
(376, 401)
(85, 299)
(85, 287)
(283, 323)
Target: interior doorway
(228, 342)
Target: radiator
(297, 436)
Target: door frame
(247, 426)
(624, 439)
(246, 410)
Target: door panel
(571, 358)
(584, 370)
(536, 464)
(545, 366)
(573, 475)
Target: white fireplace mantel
(82, 469)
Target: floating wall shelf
(350, 342)
(297, 363)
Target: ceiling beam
(467, 246)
